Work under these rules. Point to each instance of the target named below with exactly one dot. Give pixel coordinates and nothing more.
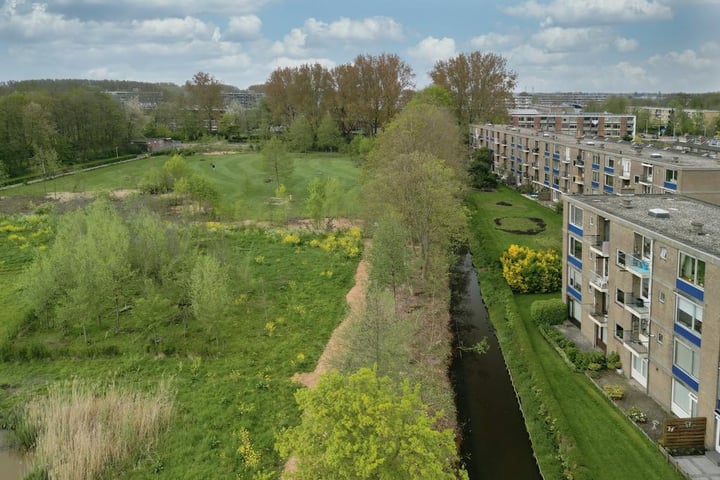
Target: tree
(205, 95)
(300, 136)
(388, 256)
(362, 427)
(276, 161)
(434, 95)
(480, 83)
(208, 291)
(615, 104)
(329, 137)
(481, 174)
(383, 81)
(422, 127)
(426, 194)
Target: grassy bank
(574, 429)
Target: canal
(495, 441)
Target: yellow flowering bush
(347, 242)
(531, 271)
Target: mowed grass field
(600, 442)
(233, 379)
(241, 179)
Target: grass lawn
(243, 184)
(232, 379)
(601, 442)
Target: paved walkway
(696, 467)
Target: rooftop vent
(626, 202)
(697, 227)
(659, 213)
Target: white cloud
(245, 26)
(187, 27)
(161, 7)
(366, 29)
(492, 41)
(433, 49)
(561, 39)
(238, 60)
(35, 22)
(282, 62)
(625, 45)
(292, 44)
(593, 12)
(528, 54)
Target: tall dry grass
(82, 429)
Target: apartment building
(635, 271)
(569, 122)
(568, 164)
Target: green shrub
(531, 271)
(613, 361)
(548, 312)
(637, 415)
(614, 392)
(594, 369)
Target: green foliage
(531, 271)
(300, 135)
(613, 361)
(362, 426)
(548, 312)
(614, 392)
(278, 165)
(389, 256)
(329, 137)
(636, 415)
(481, 175)
(208, 290)
(360, 147)
(322, 199)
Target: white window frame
(686, 358)
(694, 263)
(679, 391)
(575, 278)
(572, 241)
(694, 310)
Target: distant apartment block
(606, 125)
(568, 164)
(635, 272)
(244, 98)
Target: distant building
(570, 122)
(635, 272)
(567, 164)
(245, 98)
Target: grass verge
(575, 432)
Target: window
(619, 331)
(671, 176)
(689, 314)
(663, 253)
(609, 180)
(684, 400)
(575, 248)
(687, 358)
(595, 176)
(575, 278)
(620, 258)
(660, 338)
(691, 270)
(661, 297)
(576, 216)
(609, 162)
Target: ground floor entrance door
(639, 369)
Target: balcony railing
(635, 265)
(599, 282)
(599, 245)
(646, 179)
(635, 342)
(599, 317)
(636, 305)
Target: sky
(552, 45)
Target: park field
(241, 179)
(231, 380)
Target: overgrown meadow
(231, 380)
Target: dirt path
(355, 298)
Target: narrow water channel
(12, 464)
(495, 442)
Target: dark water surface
(12, 464)
(496, 445)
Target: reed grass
(83, 429)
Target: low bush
(614, 392)
(548, 312)
(637, 415)
(531, 271)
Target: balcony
(599, 282)
(599, 317)
(579, 180)
(637, 343)
(599, 245)
(636, 305)
(634, 264)
(646, 179)
(625, 174)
